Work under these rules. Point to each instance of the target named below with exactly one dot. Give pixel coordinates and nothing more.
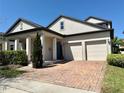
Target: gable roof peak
(29, 22)
(25, 21)
(76, 20)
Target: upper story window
(62, 25)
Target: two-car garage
(94, 50)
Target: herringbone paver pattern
(76, 74)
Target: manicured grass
(10, 72)
(114, 80)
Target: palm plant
(116, 42)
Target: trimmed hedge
(13, 57)
(116, 60)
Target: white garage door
(74, 51)
(96, 50)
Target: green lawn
(113, 80)
(8, 72)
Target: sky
(44, 12)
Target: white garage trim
(84, 50)
(97, 39)
(107, 45)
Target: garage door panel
(74, 51)
(96, 50)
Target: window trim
(62, 25)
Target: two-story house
(65, 38)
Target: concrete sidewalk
(29, 86)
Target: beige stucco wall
(89, 36)
(83, 39)
(48, 48)
(72, 27)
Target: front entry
(59, 51)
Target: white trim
(107, 46)
(83, 50)
(88, 40)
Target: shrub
(37, 57)
(20, 58)
(13, 57)
(9, 57)
(2, 58)
(116, 60)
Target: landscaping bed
(114, 80)
(10, 71)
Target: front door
(59, 51)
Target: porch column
(28, 48)
(54, 49)
(42, 38)
(6, 45)
(16, 44)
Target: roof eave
(33, 30)
(89, 32)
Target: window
(11, 47)
(21, 26)
(62, 25)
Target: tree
(37, 57)
(116, 42)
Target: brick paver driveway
(82, 75)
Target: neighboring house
(65, 38)
(1, 41)
(121, 48)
